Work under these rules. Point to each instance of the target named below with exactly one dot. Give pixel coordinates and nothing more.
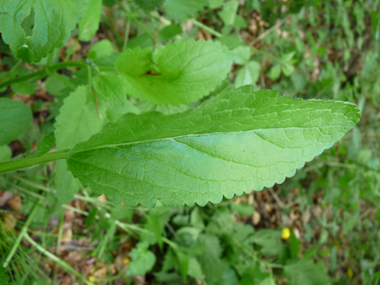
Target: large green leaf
(176, 73)
(238, 141)
(15, 118)
(53, 22)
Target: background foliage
(320, 227)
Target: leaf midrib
(182, 136)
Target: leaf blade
(178, 73)
(47, 35)
(238, 141)
(15, 118)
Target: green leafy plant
(166, 124)
(238, 141)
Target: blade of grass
(61, 262)
(22, 234)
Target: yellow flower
(127, 260)
(286, 233)
(350, 273)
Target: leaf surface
(238, 141)
(149, 4)
(248, 75)
(142, 261)
(305, 272)
(183, 9)
(53, 22)
(110, 87)
(15, 118)
(77, 122)
(45, 144)
(89, 24)
(176, 73)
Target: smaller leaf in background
(241, 54)
(333, 259)
(215, 4)
(288, 57)
(210, 258)
(195, 269)
(240, 22)
(100, 49)
(294, 245)
(248, 74)
(109, 3)
(89, 24)
(305, 272)
(287, 69)
(141, 41)
(154, 226)
(187, 236)
(169, 32)
(228, 12)
(121, 212)
(55, 86)
(269, 241)
(231, 41)
(176, 73)
(183, 262)
(77, 121)
(110, 87)
(350, 222)
(142, 260)
(275, 72)
(170, 261)
(45, 144)
(23, 87)
(183, 9)
(15, 118)
(196, 219)
(149, 4)
(242, 209)
(5, 153)
(53, 22)
(268, 281)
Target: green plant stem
(206, 28)
(22, 234)
(126, 36)
(91, 200)
(45, 72)
(31, 161)
(59, 240)
(56, 259)
(50, 58)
